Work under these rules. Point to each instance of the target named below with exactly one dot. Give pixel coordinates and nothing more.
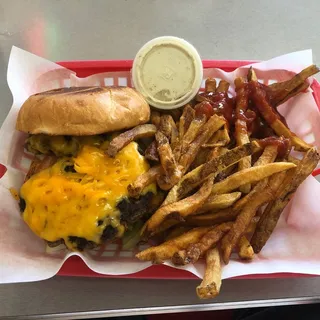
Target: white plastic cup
(168, 72)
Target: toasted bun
(82, 111)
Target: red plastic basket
(74, 266)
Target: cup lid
(168, 72)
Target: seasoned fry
(192, 132)
(195, 177)
(220, 201)
(241, 130)
(270, 216)
(168, 127)
(211, 219)
(183, 208)
(282, 91)
(196, 250)
(254, 221)
(151, 152)
(217, 152)
(269, 155)
(262, 193)
(166, 250)
(174, 137)
(245, 250)
(212, 125)
(143, 181)
(272, 118)
(219, 139)
(185, 120)
(155, 118)
(201, 158)
(292, 93)
(223, 86)
(211, 283)
(122, 140)
(210, 85)
(250, 175)
(172, 173)
(177, 231)
(252, 75)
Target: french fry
(220, 201)
(217, 152)
(262, 193)
(185, 120)
(168, 127)
(241, 130)
(253, 224)
(292, 93)
(245, 250)
(250, 175)
(201, 158)
(209, 169)
(252, 75)
(210, 85)
(155, 118)
(223, 86)
(219, 139)
(172, 173)
(175, 113)
(270, 216)
(192, 132)
(166, 250)
(143, 181)
(211, 219)
(211, 283)
(281, 91)
(212, 125)
(272, 118)
(151, 152)
(269, 155)
(177, 232)
(182, 208)
(196, 250)
(122, 140)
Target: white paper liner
(293, 247)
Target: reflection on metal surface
(176, 309)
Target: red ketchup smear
(216, 103)
(283, 145)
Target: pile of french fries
(226, 181)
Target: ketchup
(262, 102)
(283, 145)
(216, 103)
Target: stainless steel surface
(73, 298)
(226, 29)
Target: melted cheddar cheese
(61, 204)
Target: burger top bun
(80, 111)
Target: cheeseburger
(75, 193)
